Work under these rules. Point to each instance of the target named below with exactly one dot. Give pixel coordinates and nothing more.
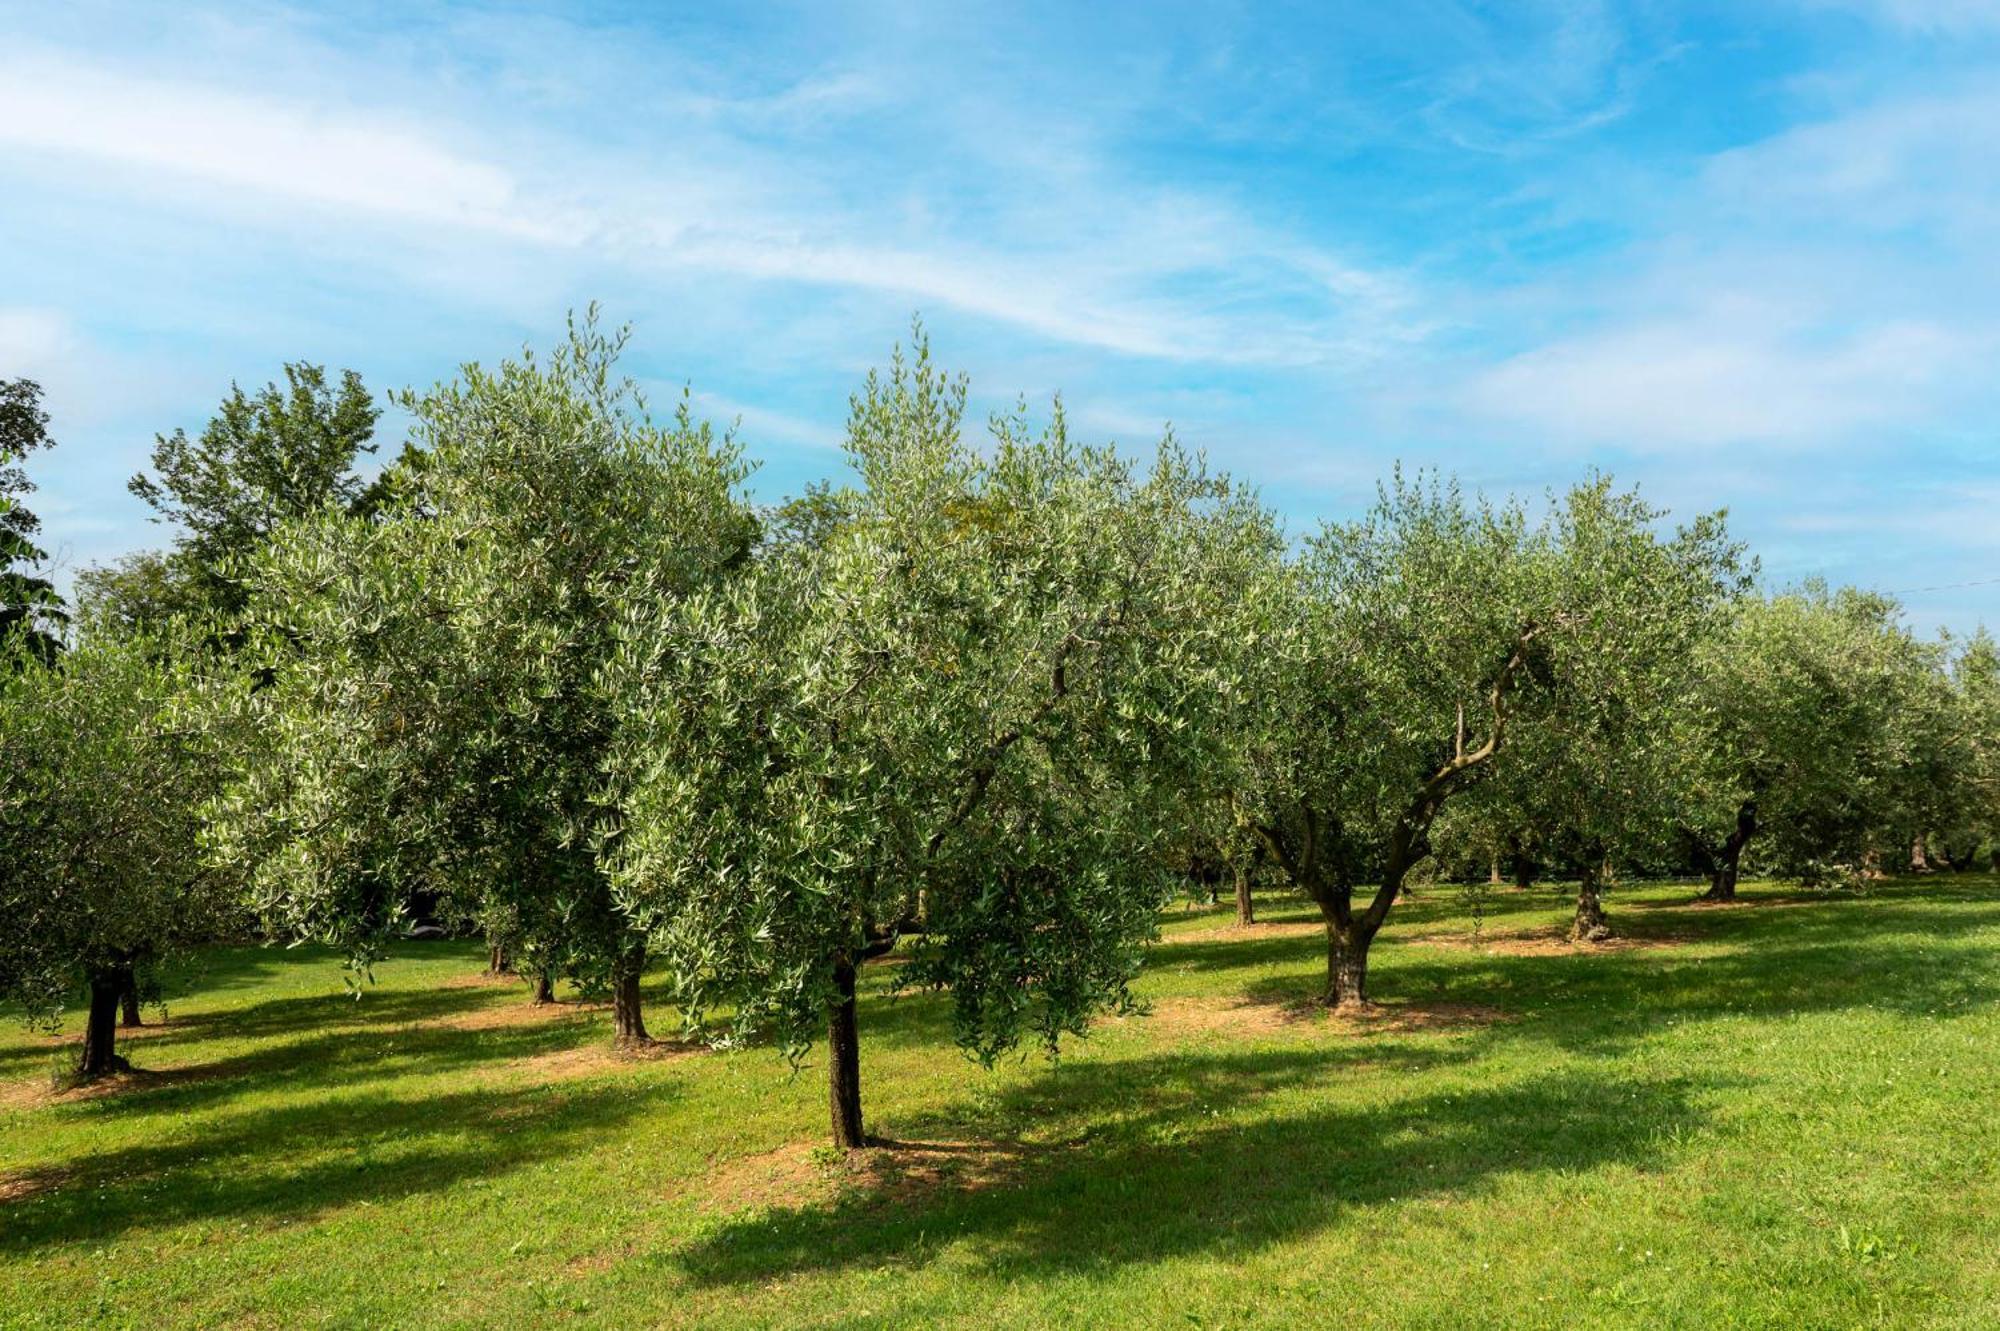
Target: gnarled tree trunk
(496, 958)
(100, 1032)
(1246, 910)
(544, 990)
(1591, 926)
(843, 1059)
(1728, 864)
(1347, 963)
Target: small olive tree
(1604, 751)
(953, 708)
(105, 764)
(1796, 745)
(435, 715)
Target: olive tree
(435, 717)
(105, 764)
(1795, 700)
(1603, 751)
(1393, 659)
(951, 710)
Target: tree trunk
(1493, 875)
(1722, 884)
(496, 958)
(628, 1020)
(100, 1031)
(1347, 963)
(1591, 926)
(128, 1001)
(1246, 911)
(843, 1051)
(1920, 862)
(1524, 868)
(545, 989)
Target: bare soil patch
(1234, 932)
(21, 1184)
(35, 1092)
(809, 1174)
(1242, 1016)
(1549, 942)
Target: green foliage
(433, 719)
(281, 454)
(31, 614)
(957, 706)
(106, 760)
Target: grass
(1775, 1115)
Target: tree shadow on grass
(354, 1148)
(1161, 1176)
(332, 1061)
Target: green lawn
(1783, 1114)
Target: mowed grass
(1782, 1114)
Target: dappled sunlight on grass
(1676, 1132)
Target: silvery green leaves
(955, 709)
(437, 717)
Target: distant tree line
(551, 676)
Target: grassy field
(1780, 1114)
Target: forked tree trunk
(843, 1059)
(1728, 864)
(496, 959)
(1590, 926)
(100, 1031)
(628, 1019)
(544, 990)
(128, 1001)
(1920, 861)
(1246, 910)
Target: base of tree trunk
(1346, 971)
(544, 990)
(99, 1056)
(128, 1006)
(628, 1018)
(843, 1061)
(1246, 910)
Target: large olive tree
(435, 716)
(951, 709)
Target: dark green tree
(284, 452)
(31, 614)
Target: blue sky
(1740, 254)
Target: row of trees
(553, 675)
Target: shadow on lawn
(1166, 1178)
(354, 1149)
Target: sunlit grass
(1779, 1114)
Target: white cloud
(1703, 383)
(1085, 273)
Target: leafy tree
(1966, 814)
(435, 716)
(31, 614)
(956, 715)
(1795, 701)
(1391, 662)
(283, 453)
(101, 874)
(1603, 751)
